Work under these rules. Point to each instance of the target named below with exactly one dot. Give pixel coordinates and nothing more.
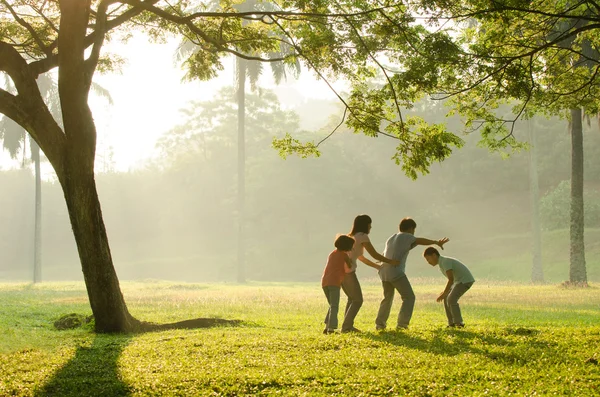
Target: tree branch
(100, 34)
(532, 11)
(50, 62)
(27, 108)
(284, 14)
(347, 107)
(387, 77)
(29, 28)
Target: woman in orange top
(338, 263)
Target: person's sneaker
(345, 331)
(401, 327)
(461, 325)
(379, 328)
(328, 331)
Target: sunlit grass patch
(519, 340)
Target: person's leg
(326, 291)
(408, 301)
(457, 291)
(448, 312)
(351, 287)
(347, 293)
(385, 306)
(334, 306)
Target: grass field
(519, 340)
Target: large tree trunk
(537, 272)
(106, 299)
(577, 269)
(75, 171)
(37, 235)
(241, 101)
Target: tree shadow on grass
(93, 371)
(455, 342)
(190, 324)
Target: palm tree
(577, 268)
(15, 138)
(251, 71)
(537, 272)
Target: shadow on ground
(191, 324)
(93, 371)
(453, 342)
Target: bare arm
(369, 247)
(348, 262)
(425, 241)
(444, 294)
(369, 262)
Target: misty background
(175, 218)
(173, 215)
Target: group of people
(340, 275)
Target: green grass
(520, 340)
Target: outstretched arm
(425, 241)
(369, 247)
(369, 262)
(444, 294)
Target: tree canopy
(530, 55)
(513, 58)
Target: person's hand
(441, 297)
(442, 241)
(394, 262)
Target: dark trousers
(451, 303)
(402, 285)
(332, 293)
(351, 288)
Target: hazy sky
(149, 92)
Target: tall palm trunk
(37, 235)
(577, 268)
(241, 190)
(537, 272)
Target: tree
(252, 70)
(537, 272)
(68, 35)
(15, 138)
(510, 60)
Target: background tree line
(177, 217)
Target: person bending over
(460, 280)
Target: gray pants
(332, 294)
(402, 285)
(451, 303)
(351, 287)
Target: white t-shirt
(357, 249)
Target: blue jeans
(332, 293)
(451, 303)
(402, 285)
(351, 288)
